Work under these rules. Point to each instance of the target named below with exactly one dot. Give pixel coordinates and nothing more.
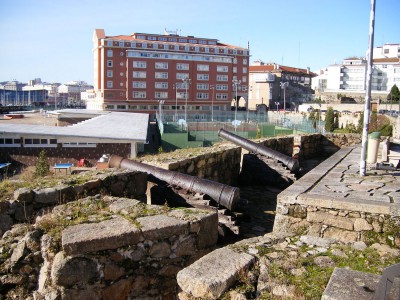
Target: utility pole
(363, 164)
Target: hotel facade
(182, 74)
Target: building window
(245, 61)
(222, 87)
(109, 106)
(161, 95)
(202, 96)
(203, 67)
(222, 77)
(109, 63)
(180, 66)
(36, 142)
(222, 68)
(202, 86)
(161, 75)
(220, 96)
(161, 85)
(182, 75)
(139, 64)
(244, 79)
(109, 73)
(109, 53)
(109, 84)
(109, 43)
(123, 107)
(161, 65)
(139, 84)
(140, 95)
(244, 70)
(121, 44)
(139, 74)
(202, 76)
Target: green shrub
(42, 165)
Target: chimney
(308, 70)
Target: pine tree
(330, 120)
(42, 165)
(394, 94)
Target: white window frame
(202, 96)
(222, 77)
(182, 75)
(110, 53)
(161, 95)
(221, 96)
(201, 67)
(139, 64)
(109, 63)
(203, 86)
(139, 74)
(204, 77)
(110, 84)
(224, 69)
(161, 65)
(139, 95)
(139, 84)
(182, 66)
(109, 73)
(161, 75)
(161, 85)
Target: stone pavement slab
(210, 276)
(91, 237)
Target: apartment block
(278, 86)
(140, 72)
(350, 77)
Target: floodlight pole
(236, 82)
(212, 103)
(363, 164)
(186, 81)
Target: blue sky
(52, 39)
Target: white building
(349, 78)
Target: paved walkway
(336, 183)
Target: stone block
(68, 271)
(328, 219)
(47, 196)
(109, 234)
(362, 224)
(23, 195)
(346, 284)
(344, 236)
(161, 227)
(214, 273)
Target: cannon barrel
(225, 195)
(291, 163)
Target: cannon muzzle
(291, 163)
(223, 194)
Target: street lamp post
(176, 101)
(277, 106)
(284, 85)
(187, 81)
(212, 103)
(236, 83)
(161, 102)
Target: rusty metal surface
(223, 194)
(291, 163)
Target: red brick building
(139, 72)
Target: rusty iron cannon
(291, 163)
(223, 194)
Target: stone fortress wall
(116, 246)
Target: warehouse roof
(114, 125)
